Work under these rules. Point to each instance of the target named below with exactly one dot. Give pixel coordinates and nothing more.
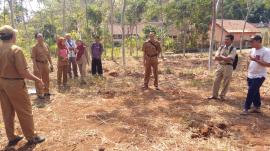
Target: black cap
(256, 38)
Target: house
(234, 27)
(131, 31)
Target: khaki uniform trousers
(62, 73)
(151, 63)
(43, 73)
(82, 69)
(223, 72)
(14, 98)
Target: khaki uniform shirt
(84, 58)
(150, 50)
(12, 61)
(225, 51)
(40, 53)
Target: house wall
(237, 37)
(218, 34)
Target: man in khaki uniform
(82, 59)
(41, 57)
(13, 92)
(224, 56)
(151, 49)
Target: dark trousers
(253, 95)
(97, 66)
(72, 65)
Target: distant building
(131, 31)
(235, 27)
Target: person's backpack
(235, 60)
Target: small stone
(114, 74)
(222, 126)
(195, 136)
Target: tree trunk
(123, 32)
(162, 28)
(10, 3)
(184, 41)
(64, 16)
(112, 32)
(222, 20)
(246, 18)
(131, 39)
(4, 12)
(25, 26)
(212, 41)
(137, 49)
(86, 4)
(41, 17)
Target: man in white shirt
(259, 60)
(225, 56)
(71, 45)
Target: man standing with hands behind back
(13, 92)
(41, 59)
(151, 50)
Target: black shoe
(256, 110)
(212, 98)
(47, 94)
(222, 98)
(41, 97)
(157, 88)
(145, 87)
(244, 112)
(15, 141)
(36, 140)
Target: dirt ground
(114, 113)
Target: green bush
(169, 43)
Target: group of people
(73, 54)
(14, 69)
(259, 60)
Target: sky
(30, 5)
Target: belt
(44, 62)
(12, 78)
(155, 55)
(230, 64)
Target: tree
(4, 12)
(24, 22)
(249, 5)
(212, 40)
(222, 18)
(10, 3)
(64, 16)
(112, 29)
(134, 14)
(123, 31)
(94, 15)
(162, 26)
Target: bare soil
(114, 113)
